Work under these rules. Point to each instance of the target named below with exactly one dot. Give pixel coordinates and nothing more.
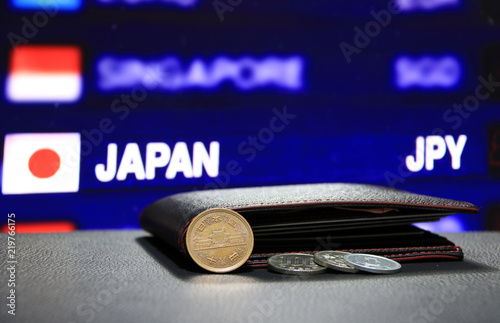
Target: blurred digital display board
(108, 105)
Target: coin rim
(333, 267)
(241, 262)
(371, 270)
(295, 272)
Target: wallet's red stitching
(422, 252)
(461, 204)
(430, 247)
(419, 254)
(419, 257)
(373, 249)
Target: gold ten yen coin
(219, 240)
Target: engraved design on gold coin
(219, 240)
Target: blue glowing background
(359, 81)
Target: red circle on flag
(44, 163)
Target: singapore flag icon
(41, 163)
(44, 74)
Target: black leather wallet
(311, 217)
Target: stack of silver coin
(321, 261)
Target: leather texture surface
(169, 218)
(129, 276)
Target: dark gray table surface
(128, 276)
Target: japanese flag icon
(41, 163)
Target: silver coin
(295, 264)
(334, 260)
(372, 263)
